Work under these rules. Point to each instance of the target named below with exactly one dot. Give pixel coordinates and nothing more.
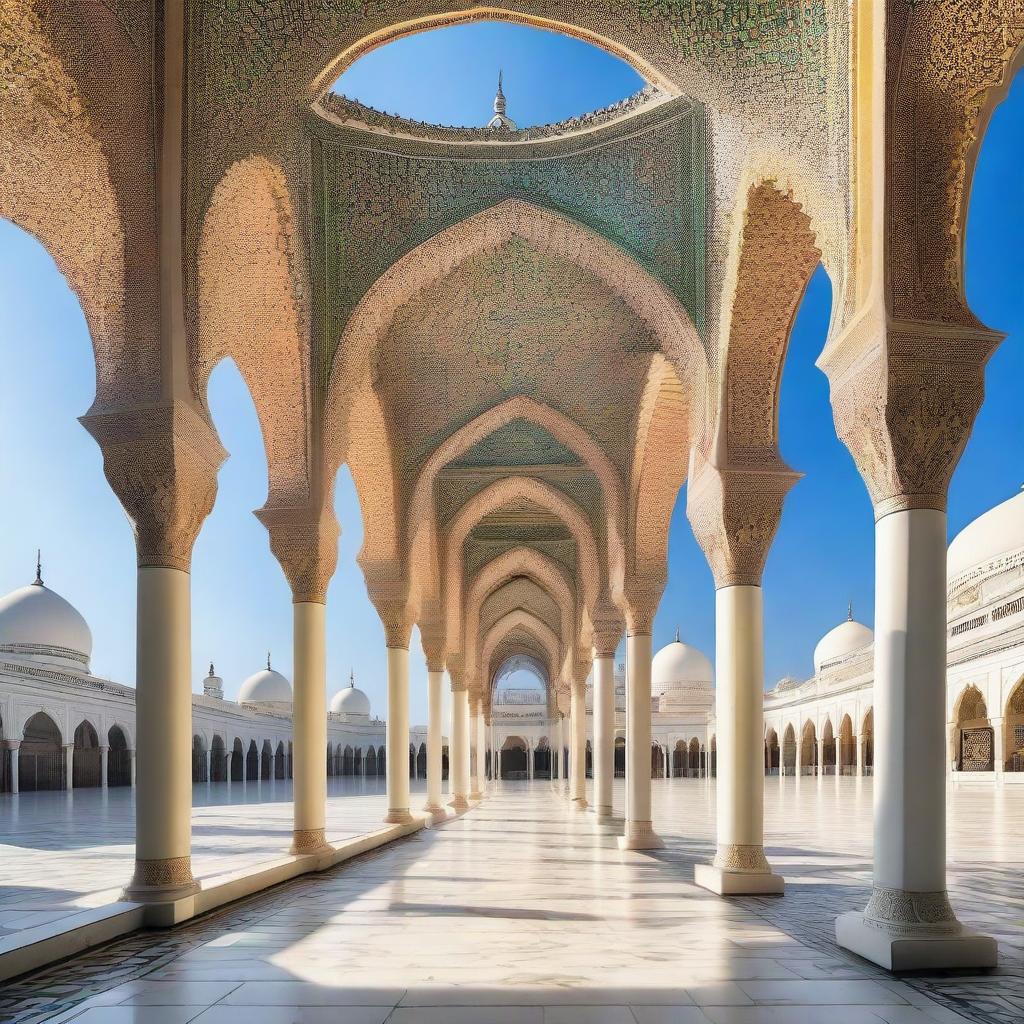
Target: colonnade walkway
(524, 910)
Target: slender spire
(268, 661)
(39, 568)
(212, 673)
(849, 612)
(352, 679)
(501, 120)
(677, 635)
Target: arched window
(198, 760)
(620, 757)
(773, 760)
(868, 742)
(973, 741)
(119, 758)
(808, 750)
(1013, 724)
(789, 750)
(85, 765)
(218, 760)
(41, 763)
(237, 761)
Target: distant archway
(773, 753)
(85, 762)
(1013, 724)
(973, 740)
(620, 757)
(789, 750)
(237, 761)
(119, 758)
(198, 760)
(218, 760)
(809, 749)
(41, 763)
(513, 758)
(868, 742)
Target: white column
(14, 746)
(909, 923)
(998, 745)
(578, 770)
(604, 732)
(639, 832)
(481, 755)
(556, 746)
(131, 760)
(69, 762)
(475, 753)
(529, 760)
(821, 755)
(104, 751)
(397, 736)
(163, 708)
(740, 865)
(858, 746)
(458, 750)
(435, 741)
(227, 768)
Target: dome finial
(677, 635)
(268, 661)
(352, 678)
(212, 673)
(849, 612)
(39, 568)
(501, 120)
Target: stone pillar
(305, 543)
(604, 722)
(69, 763)
(398, 734)
(858, 753)
(435, 737)
(105, 750)
(131, 761)
(481, 757)
(556, 745)
(474, 750)
(734, 514)
(821, 755)
(578, 745)
(161, 461)
(13, 746)
(458, 749)
(227, 768)
(998, 745)
(906, 386)
(639, 830)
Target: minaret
(213, 685)
(500, 121)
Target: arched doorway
(218, 760)
(330, 760)
(789, 750)
(421, 761)
(85, 762)
(773, 754)
(657, 762)
(713, 757)
(252, 762)
(588, 761)
(679, 759)
(828, 743)
(444, 762)
(198, 760)
(237, 761)
(513, 758)
(358, 767)
(119, 759)
(846, 751)
(371, 761)
(347, 759)
(266, 761)
(542, 759)
(279, 765)
(808, 749)
(867, 741)
(382, 761)
(972, 739)
(1013, 725)
(620, 757)
(41, 763)
(693, 759)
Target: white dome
(997, 532)
(36, 621)
(351, 702)
(679, 663)
(267, 686)
(846, 638)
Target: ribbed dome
(35, 620)
(846, 638)
(997, 532)
(265, 687)
(351, 702)
(679, 663)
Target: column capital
(905, 394)
(305, 543)
(161, 461)
(12, 744)
(734, 512)
(390, 596)
(433, 649)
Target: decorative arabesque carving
(906, 407)
(734, 514)
(900, 912)
(162, 464)
(305, 543)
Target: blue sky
(56, 497)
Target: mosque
(63, 727)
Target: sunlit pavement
(524, 910)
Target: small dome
(351, 702)
(35, 620)
(846, 638)
(786, 683)
(995, 533)
(265, 687)
(677, 664)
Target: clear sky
(55, 496)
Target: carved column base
(308, 841)
(162, 881)
(579, 803)
(476, 795)
(910, 931)
(460, 803)
(398, 816)
(603, 810)
(640, 835)
(738, 883)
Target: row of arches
(976, 743)
(831, 754)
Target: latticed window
(1018, 736)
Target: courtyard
(525, 910)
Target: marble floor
(524, 910)
(62, 852)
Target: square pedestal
(648, 842)
(914, 953)
(738, 883)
